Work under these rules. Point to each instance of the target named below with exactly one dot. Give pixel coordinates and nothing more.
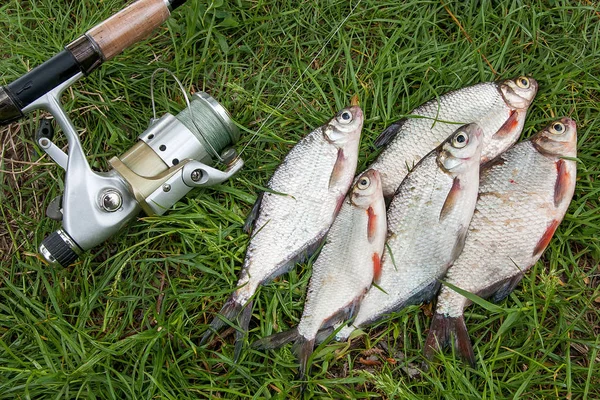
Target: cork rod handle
(132, 24)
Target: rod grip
(131, 25)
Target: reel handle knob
(59, 248)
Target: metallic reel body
(173, 156)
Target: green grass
(125, 321)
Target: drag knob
(59, 248)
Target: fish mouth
(356, 111)
(571, 123)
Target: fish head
(557, 139)
(367, 189)
(518, 93)
(462, 149)
(345, 127)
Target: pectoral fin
(563, 180)
(509, 127)
(451, 200)
(371, 224)
(338, 169)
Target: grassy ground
(124, 322)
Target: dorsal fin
(389, 133)
(251, 219)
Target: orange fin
(509, 127)
(546, 237)
(338, 169)
(371, 224)
(562, 182)
(451, 199)
(376, 267)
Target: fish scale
(344, 270)
(523, 196)
(290, 220)
(505, 235)
(498, 107)
(306, 214)
(427, 222)
(331, 285)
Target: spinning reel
(174, 155)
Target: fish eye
(557, 128)
(363, 183)
(345, 117)
(523, 82)
(460, 140)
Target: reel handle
(101, 43)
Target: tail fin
(303, 348)
(243, 323)
(444, 328)
(234, 312)
(276, 340)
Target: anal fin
(505, 288)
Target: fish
(523, 196)
(499, 108)
(427, 219)
(289, 221)
(344, 270)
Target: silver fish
(427, 223)
(290, 221)
(523, 196)
(344, 270)
(498, 107)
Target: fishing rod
(85, 54)
(174, 155)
